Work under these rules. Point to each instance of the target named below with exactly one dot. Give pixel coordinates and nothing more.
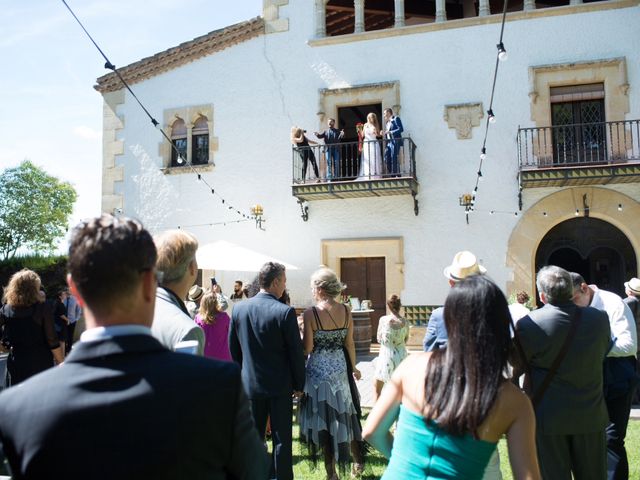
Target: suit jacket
(131, 409)
(574, 401)
(172, 323)
(264, 339)
(395, 128)
(436, 336)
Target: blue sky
(50, 112)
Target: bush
(52, 270)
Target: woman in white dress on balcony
(371, 167)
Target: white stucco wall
(260, 88)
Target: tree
(34, 209)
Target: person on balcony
(371, 154)
(301, 142)
(393, 133)
(332, 136)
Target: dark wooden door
(365, 279)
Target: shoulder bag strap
(538, 394)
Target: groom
(393, 133)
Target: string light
(619, 207)
(502, 52)
(483, 153)
(577, 214)
(492, 117)
(110, 66)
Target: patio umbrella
(223, 255)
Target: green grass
(303, 468)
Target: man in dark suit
(264, 339)
(393, 133)
(572, 416)
(122, 406)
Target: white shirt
(100, 333)
(621, 321)
(517, 311)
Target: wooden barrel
(361, 330)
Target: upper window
(179, 140)
(200, 142)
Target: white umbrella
(223, 255)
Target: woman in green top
(453, 405)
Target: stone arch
(558, 207)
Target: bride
(371, 155)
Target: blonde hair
(23, 289)
(326, 280)
(295, 132)
(372, 118)
(209, 308)
(176, 250)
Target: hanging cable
(110, 66)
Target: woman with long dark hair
(27, 329)
(455, 404)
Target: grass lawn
(303, 469)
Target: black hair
(462, 380)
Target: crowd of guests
(368, 162)
(126, 389)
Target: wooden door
(365, 279)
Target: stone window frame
(190, 115)
(612, 72)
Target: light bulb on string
(577, 214)
(492, 212)
(619, 207)
(483, 153)
(180, 159)
(502, 52)
(544, 214)
(199, 177)
(492, 117)
(480, 175)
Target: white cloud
(87, 133)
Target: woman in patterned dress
(328, 416)
(393, 332)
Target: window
(179, 140)
(200, 142)
(190, 130)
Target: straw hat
(195, 293)
(633, 285)
(464, 265)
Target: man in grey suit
(122, 406)
(264, 339)
(572, 416)
(178, 268)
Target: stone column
(529, 5)
(399, 13)
(441, 12)
(189, 142)
(321, 18)
(359, 10)
(485, 9)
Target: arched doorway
(596, 249)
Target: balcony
(580, 154)
(353, 170)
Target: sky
(51, 113)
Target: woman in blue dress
(453, 405)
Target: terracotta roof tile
(184, 53)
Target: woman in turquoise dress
(453, 405)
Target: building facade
(560, 182)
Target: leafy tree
(34, 209)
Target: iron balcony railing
(353, 161)
(581, 144)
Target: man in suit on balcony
(332, 136)
(393, 134)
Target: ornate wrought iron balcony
(580, 154)
(355, 169)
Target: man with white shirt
(131, 408)
(619, 368)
